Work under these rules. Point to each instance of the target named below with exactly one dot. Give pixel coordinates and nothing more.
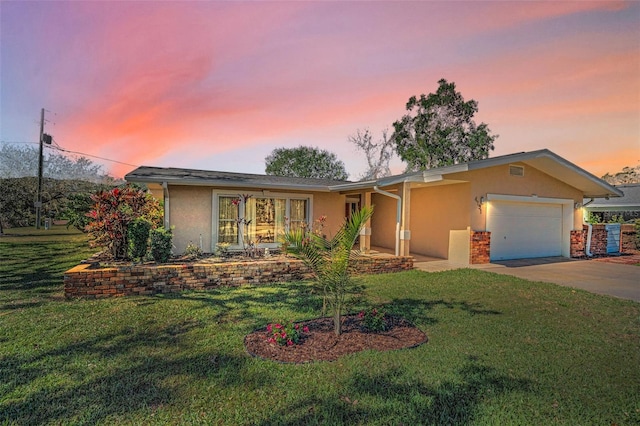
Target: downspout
(165, 189)
(398, 214)
(587, 250)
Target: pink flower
(269, 328)
(283, 335)
(289, 343)
(278, 326)
(271, 340)
(361, 314)
(305, 329)
(297, 326)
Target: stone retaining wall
(89, 282)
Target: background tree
(21, 161)
(305, 162)
(625, 176)
(18, 195)
(378, 153)
(439, 130)
(67, 185)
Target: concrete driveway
(612, 279)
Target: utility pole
(39, 200)
(44, 138)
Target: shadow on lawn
(109, 375)
(419, 311)
(394, 399)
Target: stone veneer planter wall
(88, 282)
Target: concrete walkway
(613, 279)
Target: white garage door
(523, 230)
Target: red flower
(361, 314)
(269, 328)
(305, 329)
(289, 343)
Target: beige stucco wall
(190, 215)
(435, 211)
(331, 205)
(383, 221)
(496, 180)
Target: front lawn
(501, 351)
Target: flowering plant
(285, 334)
(373, 320)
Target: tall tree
(305, 162)
(625, 176)
(16, 161)
(378, 153)
(439, 130)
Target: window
(258, 218)
(228, 208)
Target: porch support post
(365, 233)
(405, 227)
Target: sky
(218, 85)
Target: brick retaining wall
(85, 281)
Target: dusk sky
(218, 85)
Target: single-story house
(627, 206)
(514, 206)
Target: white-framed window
(257, 217)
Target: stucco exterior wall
(383, 221)
(190, 215)
(331, 205)
(435, 211)
(497, 180)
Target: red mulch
(632, 258)
(321, 343)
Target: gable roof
(629, 201)
(171, 175)
(543, 160)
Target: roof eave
(227, 184)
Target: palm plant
(329, 259)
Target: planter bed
(90, 280)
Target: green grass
(501, 351)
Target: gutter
(398, 214)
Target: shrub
(285, 334)
(113, 211)
(192, 251)
(161, 243)
(222, 249)
(373, 320)
(138, 238)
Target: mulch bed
(321, 343)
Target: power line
(59, 148)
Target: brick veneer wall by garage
(480, 247)
(576, 248)
(599, 240)
(629, 238)
(84, 281)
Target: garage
(522, 230)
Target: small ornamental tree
(112, 213)
(329, 259)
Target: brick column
(577, 243)
(480, 247)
